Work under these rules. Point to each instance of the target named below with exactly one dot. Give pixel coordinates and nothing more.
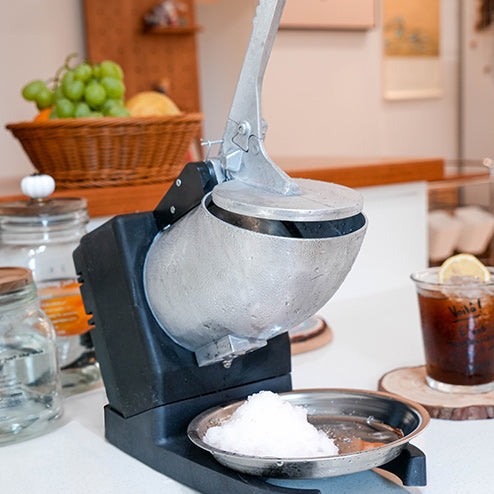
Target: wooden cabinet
(115, 31)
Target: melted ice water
(29, 386)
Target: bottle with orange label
(41, 233)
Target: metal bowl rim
(209, 197)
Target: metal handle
(242, 152)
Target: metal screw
(244, 128)
(178, 182)
(172, 209)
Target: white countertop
(372, 335)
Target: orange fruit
(43, 115)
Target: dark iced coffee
(458, 330)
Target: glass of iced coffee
(456, 302)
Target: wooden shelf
(352, 172)
(363, 172)
(168, 31)
(109, 201)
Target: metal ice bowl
(220, 283)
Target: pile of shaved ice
(268, 426)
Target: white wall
(35, 38)
(322, 91)
(395, 244)
(221, 45)
(478, 86)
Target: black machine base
(144, 437)
(154, 386)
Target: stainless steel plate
(370, 428)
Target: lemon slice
(463, 265)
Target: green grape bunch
(85, 90)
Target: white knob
(37, 186)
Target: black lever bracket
(194, 182)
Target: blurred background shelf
(461, 212)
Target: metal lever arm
(246, 105)
(242, 151)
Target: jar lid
(43, 207)
(12, 279)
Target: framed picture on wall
(328, 14)
(411, 49)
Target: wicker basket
(99, 152)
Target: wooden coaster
(310, 335)
(410, 383)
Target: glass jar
(41, 234)
(30, 388)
